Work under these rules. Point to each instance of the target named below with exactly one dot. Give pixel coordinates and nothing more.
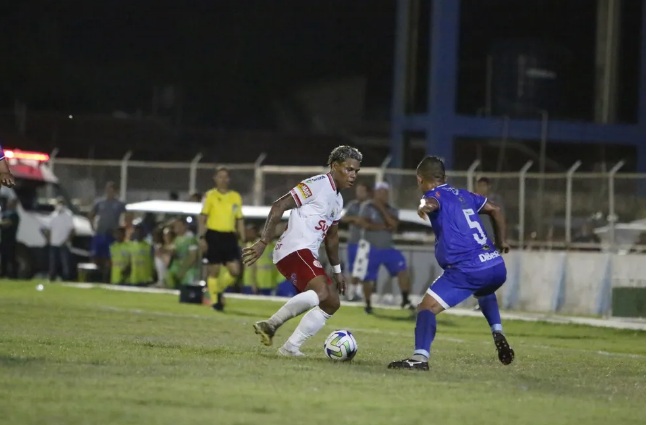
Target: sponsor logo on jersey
(489, 256)
(304, 189)
(314, 179)
(316, 263)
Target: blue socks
(490, 309)
(426, 326)
(425, 334)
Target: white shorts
(360, 266)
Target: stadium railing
(542, 209)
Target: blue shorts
(352, 253)
(455, 286)
(390, 258)
(100, 247)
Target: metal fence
(548, 208)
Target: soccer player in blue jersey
(472, 264)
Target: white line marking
(612, 322)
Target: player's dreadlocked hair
(430, 168)
(342, 153)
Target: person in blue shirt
(472, 264)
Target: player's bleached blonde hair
(342, 153)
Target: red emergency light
(33, 156)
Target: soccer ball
(340, 345)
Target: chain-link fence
(548, 208)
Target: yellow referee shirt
(222, 210)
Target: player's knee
(331, 304)
(234, 269)
(434, 309)
(320, 287)
(430, 303)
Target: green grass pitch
(94, 356)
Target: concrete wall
(541, 281)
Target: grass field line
(612, 322)
(372, 331)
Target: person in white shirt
(316, 206)
(59, 234)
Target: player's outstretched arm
(6, 178)
(331, 243)
(427, 206)
(498, 222)
(281, 205)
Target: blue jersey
(461, 242)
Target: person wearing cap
(379, 221)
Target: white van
(36, 190)
(412, 229)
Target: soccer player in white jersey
(316, 206)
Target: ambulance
(36, 190)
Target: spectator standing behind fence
(8, 233)
(352, 218)
(380, 221)
(262, 277)
(59, 233)
(129, 224)
(119, 258)
(141, 259)
(220, 227)
(185, 262)
(105, 217)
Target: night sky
(228, 56)
(231, 58)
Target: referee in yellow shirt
(220, 227)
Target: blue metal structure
(441, 124)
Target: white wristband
(337, 268)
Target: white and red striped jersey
(319, 206)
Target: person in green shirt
(185, 257)
(119, 257)
(263, 276)
(141, 259)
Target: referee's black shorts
(222, 247)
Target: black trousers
(8, 263)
